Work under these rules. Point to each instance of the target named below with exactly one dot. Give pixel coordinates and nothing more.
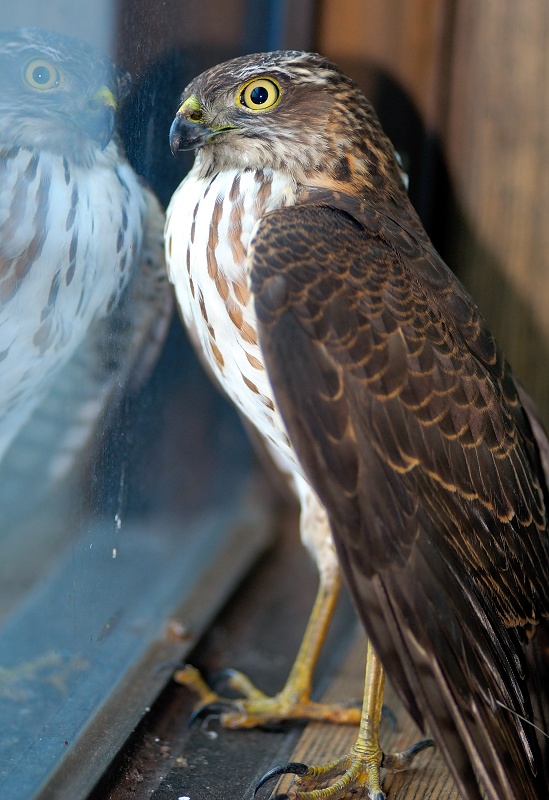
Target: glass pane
(124, 477)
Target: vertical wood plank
(496, 139)
(401, 37)
(478, 75)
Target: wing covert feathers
(408, 423)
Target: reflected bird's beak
(99, 117)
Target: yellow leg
(293, 701)
(360, 768)
(367, 747)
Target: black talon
(222, 679)
(209, 710)
(401, 761)
(293, 768)
(419, 746)
(225, 674)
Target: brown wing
(406, 419)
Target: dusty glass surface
(123, 475)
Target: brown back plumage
(400, 409)
(406, 419)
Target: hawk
(82, 274)
(318, 302)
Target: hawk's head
(56, 94)
(284, 110)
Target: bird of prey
(318, 302)
(82, 274)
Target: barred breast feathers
(206, 246)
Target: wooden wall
(477, 74)
(401, 37)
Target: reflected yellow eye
(41, 74)
(260, 94)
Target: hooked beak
(100, 116)
(188, 132)
(188, 135)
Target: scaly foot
(255, 708)
(360, 769)
(355, 771)
(294, 702)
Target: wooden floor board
(321, 743)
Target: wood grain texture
(496, 139)
(402, 37)
(477, 74)
(320, 743)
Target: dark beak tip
(174, 145)
(187, 135)
(175, 135)
(105, 139)
(100, 125)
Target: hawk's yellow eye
(41, 74)
(260, 94)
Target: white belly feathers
(208, 228)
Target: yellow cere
(105, 97)
(260, 94)
(191, 109)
